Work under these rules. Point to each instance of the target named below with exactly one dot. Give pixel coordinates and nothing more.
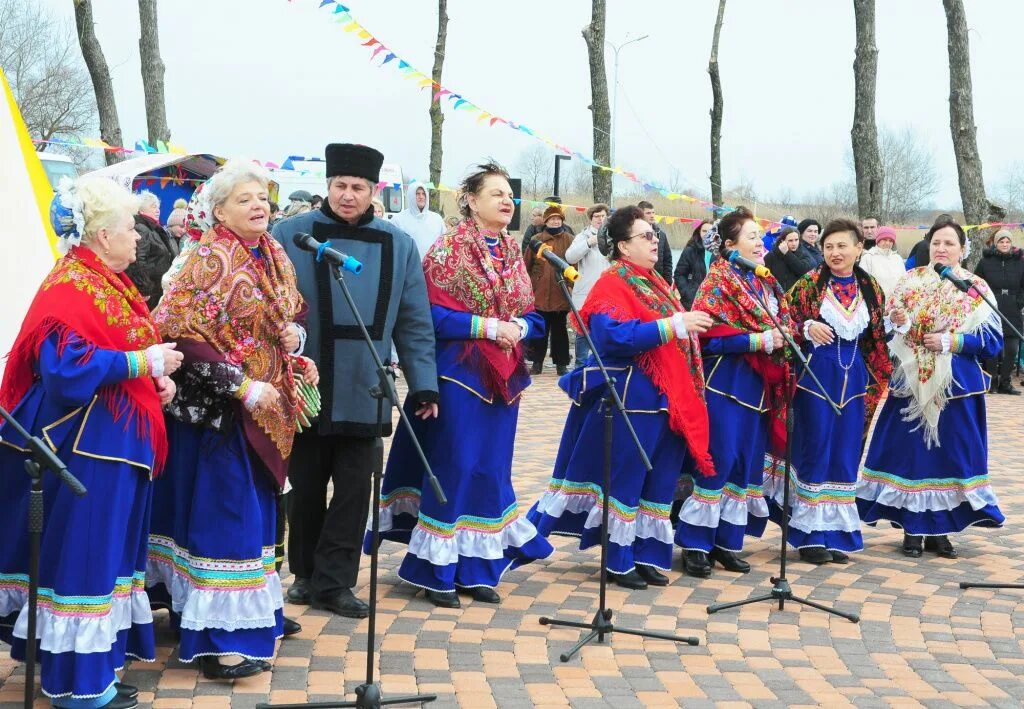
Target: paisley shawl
(627, 292)
(225, 305)
(805, 299)
(729, 299)
(463, 275)
(82, 296)
(932, 305)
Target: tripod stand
(781, 590)
(368, 694)
(602, 624)
(43, 458)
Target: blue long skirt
(729, 505)
(479, 535)
(211, 547)
(929, 492)
(639, 531)
(93, 611)
(826, 453)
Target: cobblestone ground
(921, 641)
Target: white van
(57, 166)
(300, 173)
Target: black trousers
(1001, 367)
(555, 331)
(325, 540)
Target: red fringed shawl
(728, 298)
(462, 275)
(627, 292)
(82, 296)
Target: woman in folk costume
(839, 310)
(745, 366)
(648, 342)
(482, 307)
(231, 309)
(926, 469)
(87, 374)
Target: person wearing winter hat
(1002, 268)
(882, 261)
(810, 230)
(547, 294)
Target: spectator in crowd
(692, 266)
(296, 207)
(276, 214)
(417, 220)
(536, 224)
(664, 265)
(155, 252)
(771, 237)
(378, 208)
(869, 228)
(300, 196)
(548, 295)
(316, 201)
(1002, 268)
(176, 223)
(810, 230)
(585, 254)
(882, 261)
(786, 260)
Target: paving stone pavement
(921, 642)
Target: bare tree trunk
(594, 34)
(961, 124)
(436, 117)
(152, 73)
(110, 126)
(716, 110)
(867, 162)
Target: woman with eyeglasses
(744, 358)
(648, 342)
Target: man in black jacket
(1002, 267)
(154, 253)
(664, 265)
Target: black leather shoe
(212, 669)
(941, 546)
(651, 575)
(631, 580)
(562, 370)
(299, 592)
(264, 665)
(126, 691)
(342, 603)
(839, 557)
(443, 599)
(291, 627)
(815, 555)
(537, 368)
(729, 561)
(913, 546)
(1008, 389)
(696, 563)
(120, 702)
(485, 594)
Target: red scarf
(728, 298)
(463, 275)
(82, 296)
(627, 292)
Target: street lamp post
(615, 98)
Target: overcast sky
(269, 78)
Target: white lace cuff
(769, 342)
(679, 325)
(302, 339)
(491, 328)
(890, 326)
(946, 340)
(250, 393)
(524, 327)
(155, 359)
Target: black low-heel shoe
(631, 580)
(484, 594)
(290, 627)
(651, 575)
(126, 690)
(443, 599)
(815, 555)
(913, 546)
(729, 561)
(697, 564)
(212, 669)
(941, 546)
(120, 702)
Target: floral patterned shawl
(228, 305)
(933, 305)
(81, 295)
(627, 292)
(462, 274)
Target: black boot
(941, 546)
(839, 557)
(299, 592)
(729, 560)
(651, 575)
(913, 545)
(815, 555)
(696, 563)
(537, 367)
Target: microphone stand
(368, 694)
(995, 307)
(781, 590)
(43, 458)
(602, 624)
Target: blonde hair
(296, 208)
(377, 203)
(232, 174)
(104, 204)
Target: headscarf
(627, 292)
(933, 305)
(462, 275)
(728, 297)
(228, 305)
(82, 296)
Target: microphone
(946, 272)
(324, 252)
(748, 265)
(543, 250)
